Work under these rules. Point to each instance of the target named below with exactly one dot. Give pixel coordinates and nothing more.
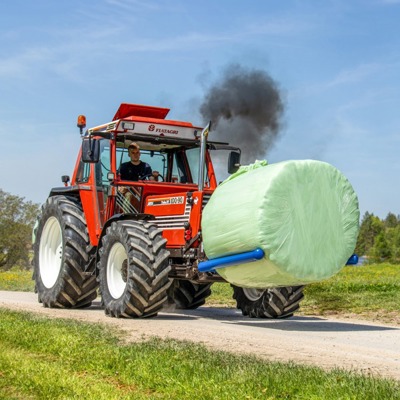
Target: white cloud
(20, 64)
(357, 74)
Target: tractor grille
(178, 221)
(174, 221)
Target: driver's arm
(152, 175)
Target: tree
(391, 221)
(17, 218)
(394, 243)
(370, 227)
(380, 251)
(379, 239)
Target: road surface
(354, 345)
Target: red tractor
(138, 241)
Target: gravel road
(354, 345)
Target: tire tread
(75, 287)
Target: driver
(136, 169)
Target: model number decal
(165, 201)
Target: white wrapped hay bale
(303, 214)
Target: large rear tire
(133, 269)
(61, 253)
(188, 295)
(280, 302)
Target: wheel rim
(117, 264)
(253, 294)
(50, 252)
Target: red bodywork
(175, 207)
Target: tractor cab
(177, 150)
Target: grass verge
(18, 280)
(371, 292)
(56, 359)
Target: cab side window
(102, 168)
(83, 173)
(178, 168)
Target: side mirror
(233, 162)
(90, 150)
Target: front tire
(61, 253)
(280, 302)
(133, 269)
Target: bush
(17, 218)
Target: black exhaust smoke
(245, 107)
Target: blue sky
(337, 64)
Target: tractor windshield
(177, 164)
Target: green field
(370, 292)
(58, 359)
(18, 280)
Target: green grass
(56, 359)
(16, 279)
(372, 291)
(221, 296)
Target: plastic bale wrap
(303, 214)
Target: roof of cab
(129, 110)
